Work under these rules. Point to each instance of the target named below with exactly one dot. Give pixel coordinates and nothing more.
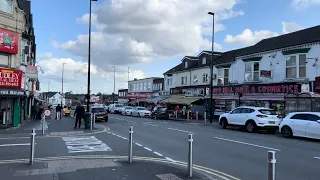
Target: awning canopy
(175, 99)
(155, 99)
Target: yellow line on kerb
(197, 167)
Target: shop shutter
(4, 59)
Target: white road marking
(147, 148)
(169, 159)
(138, 144)
(149, 124)
(85, 144)
(165, 122)
(230, 140)
(131, 121)
(124, 138)
(317, 158)
(22, 144)
(181, 130)
(157, 153)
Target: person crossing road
(79, 114)
(58, 112)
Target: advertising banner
(139, 95)
(9, 41)
(10, 78)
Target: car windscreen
(268, 111)
(128, 107)
(142, 109)
(118, 105)
(98, 110)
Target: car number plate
(272, 122)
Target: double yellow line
(202, 169)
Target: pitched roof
(49, 94)
(230, 56)
(304, 36)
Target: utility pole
(128, 76)
(211, 72)
(114, 83)
(62, 82)
(48, 90)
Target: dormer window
(186, 64)
(204, 60)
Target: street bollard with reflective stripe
(271, 165)
(188, 114)
(91, 119)
(33, 134)
(190, 156)
(197, 115)
(205, 118)
(43, 119)
(94, 120)
(130, 144)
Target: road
(234, 152)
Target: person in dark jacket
(58, 112)
(79, 114)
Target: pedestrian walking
(79, 114)
(58, 112)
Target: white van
(116, 108)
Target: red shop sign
(139, 95)
(10, 78)
(9, 41)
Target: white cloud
(289, 27)
(136, 31)
(247, 37)
(75, 76)
(301, 4)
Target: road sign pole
(190, 156)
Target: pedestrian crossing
(80, 144)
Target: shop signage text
(189, 91)
(11, 92)
(139, 95)
(283, 88)
(9, 41)
(10, 78)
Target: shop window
(296, 66)
(4, 60)
(6, 6)
(252, 71)
(195, 79)
(204, 60)
(205, 78)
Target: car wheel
(251, 126)
(286, 132)
(224, 123)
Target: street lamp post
(89, 58)
(62, 82)
(114, 83)
(48, 90)
(211, 71)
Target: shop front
(186, 96)
(272, 95)
(12, 97)
(138, 98)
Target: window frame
(223, 77)
(8, 58)
(204, 60)
(186, 64)
(205, 78)
(252, 63)
(11, 13)
(195, 79)
(297, 66)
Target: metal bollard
(205, 118)
(188, 114)
(271, 165)
(43, 118)
(91, 117)
(32, 143)
(130, 144)
(190, 155)
(197, 115)
(94, 119)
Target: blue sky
(55, 21)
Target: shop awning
(189, 100)
(156, 99)
(174, 99)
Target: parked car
(100, 113)
(252, 118)
(141, 112)
(115, 108)
(160, 112)
(126, 110)
(302, 124)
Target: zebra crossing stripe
(85, 144)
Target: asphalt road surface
(235, 152)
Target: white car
(303, 124)
(252, 118)
(126, 110)
(115, 108)
(141, 112)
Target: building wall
(147, 81)
(14, 22)
(177, 78)
(277, 65)
(200, 73)
(56, 99)
(168, 82)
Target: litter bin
(87, 121)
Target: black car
(101, 113)
(160, 112)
